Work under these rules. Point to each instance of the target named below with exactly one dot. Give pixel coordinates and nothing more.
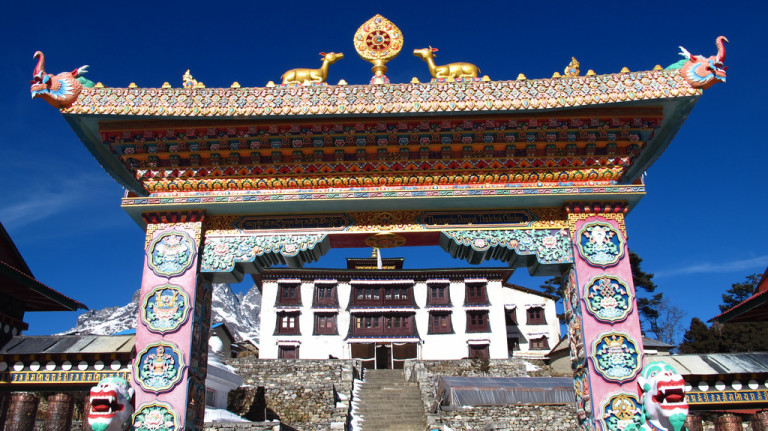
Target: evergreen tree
(700, 338)
(739, 292)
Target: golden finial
(166, 85)
(378, 41)
(521, 77)
(270, 84)
(591, 72)
(624, 70)
(485, 78)
(556, 75)
(415, 80)
(235, 85)
(133, 85)
(375, 252)
(342, 82)
(98, 85)
(657, 68)
(190, 82)
(573, 68)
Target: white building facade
(385, 316)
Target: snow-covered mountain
(240, 313)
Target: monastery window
(440, 323)
(287, 324)
(536, 316)
(540, 343)
(479, 351)
(383, 296)
(210, 397)
(383, 324)
(439, 295)
(510, 317)
(288, 352)
(288, 294)
(325, 295)
(476, 293)
(477, 321)
(325, 324)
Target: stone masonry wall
(302, 394)
(513, 418)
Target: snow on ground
(221, 415)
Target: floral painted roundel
(171, 254)
(608, 299)
(600, 244)
(156, 416)
(165, 308)
(621, 411)
(159, 367)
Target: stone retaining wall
(513, 418)
(302, 394)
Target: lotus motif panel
(171, 254)
(616, 357)
(608, 299)
(600, 244)
(165, 309)
(159, 367)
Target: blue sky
(700, 228)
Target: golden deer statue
(300, 76)
(450, 70)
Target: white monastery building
(383, 314)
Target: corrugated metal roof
(715, 363)
(51, 344)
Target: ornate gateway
(534, 173)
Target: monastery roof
(17, 281)
(68, 344)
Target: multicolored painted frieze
(621, 411)
(600, 244)
(159, 367)
(534, 94)
(59, 377)
(608, 298)
(323, 222)
(548, 245)
(447, 220)
(171, 254)
(616, 357)
(165, 308)
(221, 253)
(156, 416)
(743, 396)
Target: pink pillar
(603, 321)
(171, 337)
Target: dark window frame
(440, 323)
(438, 294)
(382, 295)
(329, 295)
(289, 294)
(510, 317)
(480, 351)
(536, 316)
(476, 293)
(541, 343)
(321, 324)
(383, 324)
(282, 326)
(477, 321)
(282, 350)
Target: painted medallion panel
(156, 416)
(616, 357)
(621, 411)
(165, 309)
(600, 244)
(159, 367)
(171, 254)
(608, 299)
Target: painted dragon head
(58, 90)
(111, 405)
(702, 72)
(662, 392)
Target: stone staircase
(387, 402)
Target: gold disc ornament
(377, 41)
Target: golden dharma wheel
(377, 41)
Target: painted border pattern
(221, 253)
(351, 100)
